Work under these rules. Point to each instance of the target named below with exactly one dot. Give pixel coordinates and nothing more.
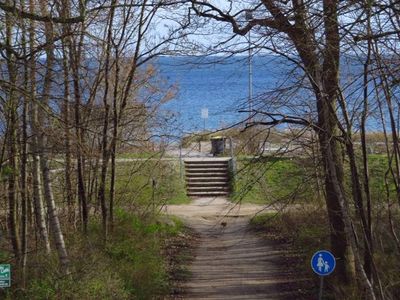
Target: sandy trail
(231, 262)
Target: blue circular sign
(323, 262)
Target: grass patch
(267, 180)
(140, 155)
(304, 229)
(300, 233)
(378, 166)
(149, 183)
(132, 265)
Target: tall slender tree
(12, 118)
(33, 121)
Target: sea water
(221, 85)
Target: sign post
(323, 263)
(5, 275)
(204, 116)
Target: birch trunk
(68, 163)
(48, 193)
(33, 111)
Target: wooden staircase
(207, 177)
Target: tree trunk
(12, 119)
(75, 58)
(52, 210)
(24, 161)
(368, 252)
(114, 138)
(36, 179)
(324, 79)
(104, 144)
(342, 235)
(48, 193)
(66, 112)
(333, 185)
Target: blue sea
(221, 85)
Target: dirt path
(231, 262)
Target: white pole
(180, 160)
(249, 17)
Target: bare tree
(55, 226)
(11, 108)
(34, 123)
(59, 59)
(321, 67)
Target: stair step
(207, 170)
(203, 176)
(206, 179)
(206, 161)
(207, 184)
(208, 188)
(207, 194)
(204, 165)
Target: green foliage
(270, 179)
(41, 289)
(149, 183)
(306, 230)
(5, 172)
(378, 167)
(4, 255)
(266, 180)
(139, 260)
(130, 266)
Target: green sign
(5, 275)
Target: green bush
(130, 266)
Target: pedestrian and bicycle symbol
(323, 263)
(5, 275)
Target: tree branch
(375, 36)
(26, 15)
(277, 118)
(217, 14)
